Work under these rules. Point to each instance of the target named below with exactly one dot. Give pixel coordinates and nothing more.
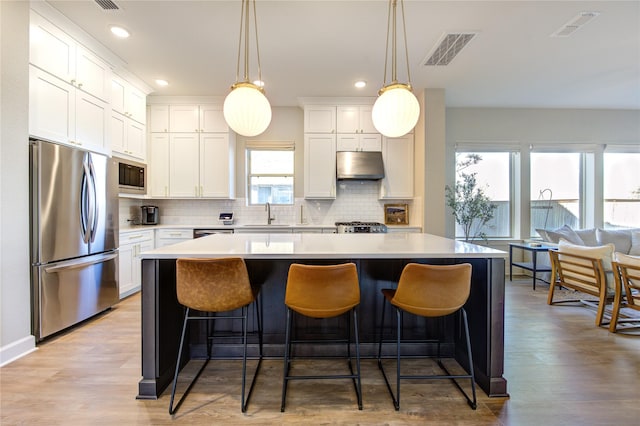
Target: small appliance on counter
(150, 215)
(226, 218)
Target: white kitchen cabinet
(359, 142)
(197, 118)
(319, 166)
(61, 113)
(132, 243)
(158, 182)
(128, 100)
(192, 165)
(168, 236)
(57, 53)
(128, 136)
(184, 160)
(159, 118)
(398, 158)
(320, 119)
(355, 119)
(217, 165)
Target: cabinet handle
(197, 130)
(196, 188)
(79, 84)
(166, 192)
(165, 130)
(133, 237)
(175, 234)
(73, 82)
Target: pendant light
(396, 111)
(246, 109)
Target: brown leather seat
(429, 291)
(215, 286)
(322, 291)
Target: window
(269, 173)
(493, 177)
(555, 190)
(621, 173)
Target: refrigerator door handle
(93, 206)
(85, 215)
(80, 263)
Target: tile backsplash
(355, 200)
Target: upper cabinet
(398, 157)
(197, 119)
(320, 119)
(55, 52)
(192, 152)
(319, 165)
(60, 112)
(128, 100)
(355, 119)
(128, 117)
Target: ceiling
(320, 48)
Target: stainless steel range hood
(359, 165)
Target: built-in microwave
(131, 177)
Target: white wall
(15, 313)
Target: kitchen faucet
(267, 207)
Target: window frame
(254, 146)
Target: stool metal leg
(287, 348)
(359, 383)
(172, 408)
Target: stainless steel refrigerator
(74, 235)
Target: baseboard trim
(17, 349)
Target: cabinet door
(136, 275)
(51, 49)
(216, 166)
(158, 181)
(184, 170)
(319, 166)
(370, 142)
(92, 122)
(348, 119)
(397, 154)
(136, 103)
(118, 132)
(212, 119)
(159, 116)
(125, 270)
(320, 119)
(184, 118)
(136, 145)
(51, 107)
(118, 95)
(93, 75)
(348, 142)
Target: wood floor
(561, 370)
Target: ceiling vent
(574, 24)
(107, 5)
(448, 48)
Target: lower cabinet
(132, 243)
(168, 236)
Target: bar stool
(213, 286)
(429, 291)
(322, 291)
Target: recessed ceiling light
(161, 82)
(119, 31)
(360, 84)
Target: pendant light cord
(391, 28)
(244, 31)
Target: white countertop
(323, 246)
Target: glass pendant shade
(247, 110)
(396, 111)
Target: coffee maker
(149, 215)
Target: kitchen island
(379, 259)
